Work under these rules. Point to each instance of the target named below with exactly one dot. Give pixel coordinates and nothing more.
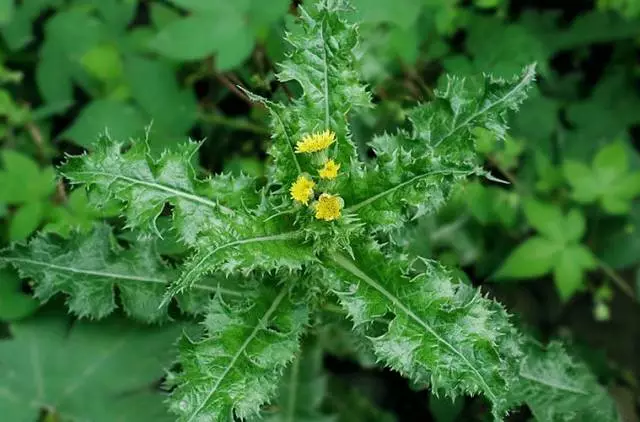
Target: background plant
(585, 100)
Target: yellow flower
(328, 207)
(330, 170)
(302, 190)
(315, 142)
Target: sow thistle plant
(268, 258)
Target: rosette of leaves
(318, 230)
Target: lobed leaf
(441, 332)
(415, 171)
(144, 186)
(322, 61)
(436, 330)
(91, 268)
(235, 367)
(558, 388)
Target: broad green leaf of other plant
(27, 186)
(114, 363)
(14, 304)
(91, 269)
(555, 249)
(608, 181)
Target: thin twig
(38, 140)
(411, 72)
(240, 124)
(234, 89)
(617, 279)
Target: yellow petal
(328, 207)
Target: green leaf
(200, 35)
(18, 31)
(557, 387)
(155, 89)
(90, 268)
(57, 366)
(120, 120)
(283, 252)
(503, 49)
(415, 172)
(104, 62)
(545, 218)
(145, 185)
(533, 258)
(69, 35)
(620, 247)
(442, 332)
(321, 61)
(7, 8)
(74, 214)
(235, 368)
(569, 268)
(608, 180)
(26, 220)
(404, 13)
(14, 304)
(22, 180)
(209, 215)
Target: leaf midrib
(115, 276)
(526, 78)
(348, 265)
(389, 191)
(262, 322)
(282, 236)
(153, 185)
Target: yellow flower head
(302, 190)
(328, 207)
(315, 142)
(330, 170)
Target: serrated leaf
(558, 388)
(202, 217)
(90, 268)
(49, 364)
(145, 185)
(235, 368)
(442, 332)
(321, 61)
(414, 172)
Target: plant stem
(234, 89)
(617, 279)
(240, 124)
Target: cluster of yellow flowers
(328, 207)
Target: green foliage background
(558, 242)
